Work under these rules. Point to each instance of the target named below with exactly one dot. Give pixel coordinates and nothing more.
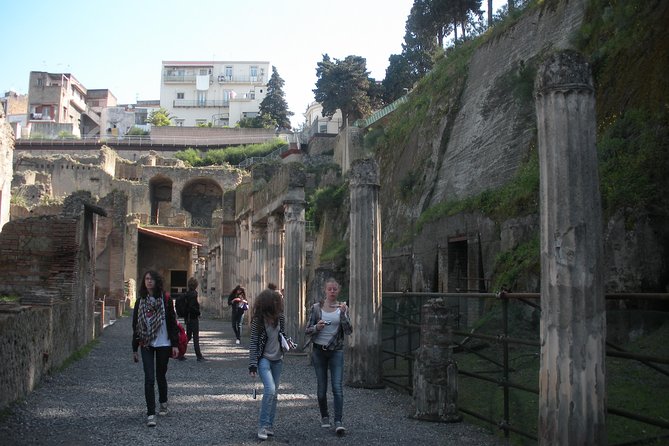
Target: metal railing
(401, 340)
(148, 140)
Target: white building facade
(216, 93)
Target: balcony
(240, 79)
(179, 78)
(200, 104)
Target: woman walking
(266, 355)
(237, 300)
(328, 323)
(154, 327)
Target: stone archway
(201, 197)
(160, 190)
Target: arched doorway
(201, 197)
(160, 189)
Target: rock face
(493, 128)
(478, 130)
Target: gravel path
(99, 400)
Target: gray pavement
(99, 400)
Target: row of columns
(272, 250)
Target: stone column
(275, 250)
(258, 259)
(572, 385)
(435, 378)
(295, 260)
(244, 252)
(364, 367)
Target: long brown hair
(268, 305)
(157, 288)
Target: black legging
(154, 360)
(237, 316)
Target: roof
(171, 238)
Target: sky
(120, 45)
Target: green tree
(274, 108)
(438, 18)
(398, 77)
(344, 85)
(159, 118)
(251, 123)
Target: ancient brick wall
(46, 263)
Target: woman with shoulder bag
(154, 327)
(266, 354)
(328, 323)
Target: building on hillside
(315, 123)
(58, 104)
(15, 109)
(216, 93)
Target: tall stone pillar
(258, 259)
(275, 250)
(244, 252)
(572, 386)
(294, 271)
(364, 362)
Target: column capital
(364, 172)
(564, 71)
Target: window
(253, 72)
(40, 82)
(179, 122)
(201, 98)
(200, 122)
(204, 71)
(252, 94)
(228, 72)
(180, 95)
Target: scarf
(149, 319)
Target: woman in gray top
(328, 323)
(266, 355)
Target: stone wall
(47, 264)
(6, 170)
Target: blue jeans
(155, 373)
(323, 361)
(270, 373)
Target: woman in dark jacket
(237, 300)
(154, 327)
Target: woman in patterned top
(154, 326)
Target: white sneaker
(325, 422)
(163, 409)
(262, 433)
(237, 341)
(151, 421)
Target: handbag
(287, 343)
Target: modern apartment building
(15, 109)
(217, 92)
(58, 103)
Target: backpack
(183, 339)
(181, 305)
